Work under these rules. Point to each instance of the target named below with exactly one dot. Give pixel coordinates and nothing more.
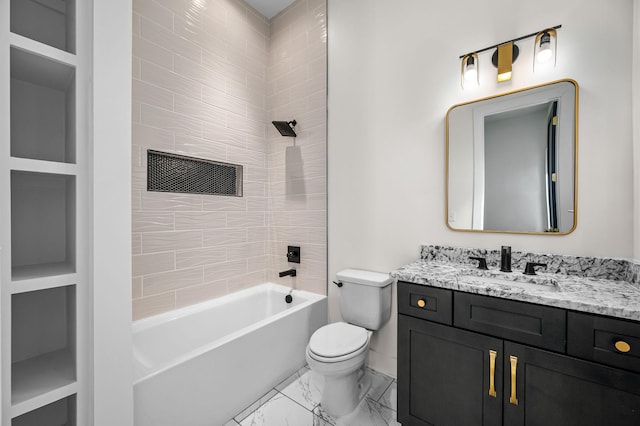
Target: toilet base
(342, 394)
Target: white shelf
(41, 49)
(56, 408)
(41, 380)
(41, 277)
(41, 166)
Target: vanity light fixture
(469, 71)
(507, 52)
(545, 48)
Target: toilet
(338, 351)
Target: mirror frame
(575, 161)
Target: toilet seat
(338, 341)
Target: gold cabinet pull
(513, 399)
(421, 303)
(492, 373)
(622, 346)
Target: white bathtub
(202, 364)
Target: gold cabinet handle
(421, 303)
(514, 364)
(492, 373)
(622, 346)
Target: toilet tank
(365, 297)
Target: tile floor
(296, 402)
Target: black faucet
(529, 269)
(505, 259)
(291, 272)
(482, 262)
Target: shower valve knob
(293, 254)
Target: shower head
(286, 127)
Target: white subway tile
(246, 219)
(168, 201)
(170, 41)
(201, 148)
(153, 305)
(136, 288)
(200, 257)
(152, 11)
(200, 220)
(150, 94)
(223, 237)
(225, 270)
(241, 282)
(143, 221)
(136, 243)
(246, 250)
(168, 120)
(153, 242)
(171, 281)
(146, 264)
(146, 51)
(167, 79)
(229, 204)
(200, 293)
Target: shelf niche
(51, 22)
(42, 225)
(43, 342)
(59, 413)
(42, 108)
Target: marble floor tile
(379, 384)
(390, 398)
(280, 410)
(304, 387)
(368, 413)
(253, 407)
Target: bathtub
(203, 364)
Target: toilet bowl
(338, 352)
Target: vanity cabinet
(495, 361)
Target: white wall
(394, 72)
(636, 127)
(112, 356)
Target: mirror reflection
(511, 161)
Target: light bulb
(544, 53)
(471, 73)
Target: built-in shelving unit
(43, 211)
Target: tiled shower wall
(205, 76)
(297, 89)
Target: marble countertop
(601, 296)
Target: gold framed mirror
(512, 161)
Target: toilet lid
(337, 339)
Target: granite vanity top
(599, 286)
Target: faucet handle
(482, 262)
(529, 268)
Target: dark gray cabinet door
(554, 389)
(444, 375)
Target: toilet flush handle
(339, 284)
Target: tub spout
(291, 272)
